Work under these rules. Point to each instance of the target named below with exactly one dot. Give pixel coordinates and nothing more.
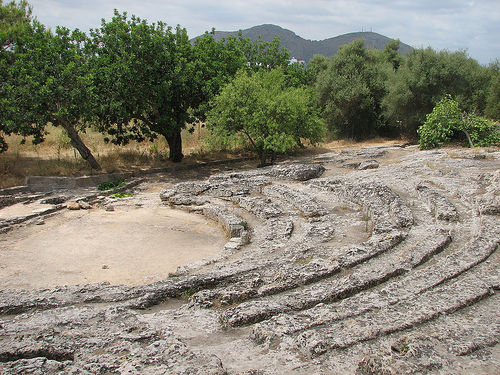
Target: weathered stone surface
(368, 164)
(437, 204)
(393, 270)
(73, 205)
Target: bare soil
(88, 246)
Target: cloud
(451, 24)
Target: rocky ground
(380, 260)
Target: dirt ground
(141, 241)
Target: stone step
(399, 261)
(370, 271)
(404, 315)
(466, 331)
(292, 275)
(299, 200)
(437, 204)
(385, 207)
(444, 267)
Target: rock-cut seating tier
(391, 269)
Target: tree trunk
(77, 143)
(468, 138)
(273, 157)
(175, 146)
(263, 158)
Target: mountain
(304, 49)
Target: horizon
(453, 25)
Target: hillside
(304, 49)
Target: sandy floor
(135, 244)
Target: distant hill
(304, 49)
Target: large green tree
(261, 109)
(492, 109)
(144, 78)
(49, 83)
(151, 80)
(15, 23)
(425, 77)
(350, 90)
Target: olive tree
(350, 91)
(424, 77)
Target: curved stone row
(273, 202)
(387, 270)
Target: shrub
(446, 119)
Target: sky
(472, 25)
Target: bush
(446, 119)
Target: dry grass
(56, 157)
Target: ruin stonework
(380, 260)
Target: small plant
(189, 292)
(122, 195)
(304, 260)
(109, 185)
(368, 221)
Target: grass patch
(109, 185)
(304, 261)
(122, 195)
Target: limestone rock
(73, 205)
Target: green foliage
(425, 77)
(392, 55)
(482, 131)
(145, 79)
(350, 90)
(261, 55)
(15, 23)
(122, 195)
(446, 119)
(109, 185)
(492, 109)
(49, 82)
(440, 124)
(261, 109)
(316, 65)
(151, 80)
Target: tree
(50, 83)
(316, 65)
(492, 109)
(15, 20)
(15, 23)
(392, 55)
(259, 108)
(424, 78)
(151, 80)
(144, 77)
(446, 119)
(350, 91)
(262, 55)
(216, 64)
